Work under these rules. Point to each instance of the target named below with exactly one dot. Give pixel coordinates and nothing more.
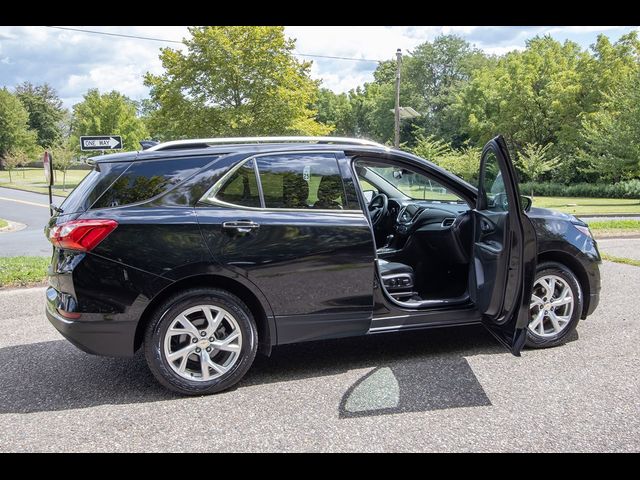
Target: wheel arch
(264, 321)
(578, 270)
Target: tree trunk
(64, 180)
(10, 180)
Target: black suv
(204, 252)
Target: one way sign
(101, 142)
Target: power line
(137, 37)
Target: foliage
(431, 148)
(22, 271)
(233, 81)
(533, 161)
(45, 111)
(463, 162)
(625, 189)
(14, 128)
(15, 158)
(63, 155)
(611, 135)
(107, 114)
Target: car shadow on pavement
(410, 371)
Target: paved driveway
(440, 390)
(32, 210)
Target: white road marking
(25, 202)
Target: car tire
(155, 340)
(557, 270)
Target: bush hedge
(625, 189)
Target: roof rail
(206, 142)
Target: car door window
(493, 185)
(301, 181)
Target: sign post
(101, 142)
(47, 164)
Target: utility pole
(396, 141)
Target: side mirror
(397, 174)
(526, 202)
(368, 195)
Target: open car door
(504, 250)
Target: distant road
(31, 209)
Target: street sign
(101, 142)
(47, 164)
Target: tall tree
(108, 114)
(15, 133)
(45, 111)
(233, 81)
(610, 144)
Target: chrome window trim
(209, 197)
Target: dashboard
(442, 227)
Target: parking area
(440, 390)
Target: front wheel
(556, 305)
(200, 341)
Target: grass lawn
(3, 223)
(587, 206)
(32, 180)
(22, 271)
(625, 260)
(615, 228)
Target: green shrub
(625, 189)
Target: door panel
(504, 252)
(311, 258)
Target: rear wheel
(556, 304)
(200, 341)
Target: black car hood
(536, 212)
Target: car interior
(423, 235)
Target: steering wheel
(378, 207)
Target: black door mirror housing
(526, 202)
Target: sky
(73, 62)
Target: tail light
(82, 235)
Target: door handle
(485, 226)
(242, 226)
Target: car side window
(145, 179)
(241, 188)
(493, 184)
(301, 181)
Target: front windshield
(415, 185)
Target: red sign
(46, 163)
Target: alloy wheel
(203, 343)
(551, 306)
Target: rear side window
(146, 179)
(241, 188)
(92, 186)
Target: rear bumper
(98, 337)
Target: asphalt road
(442, 390)
(620, 247)
(32, 210)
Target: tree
(45, 111)
(63, 155)
(233, 81)
(533, 96)
(431, 148)
(14, 129)
(611, 136)
(534, 161)
(14, 158)
(108, 114)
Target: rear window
(92, 186)
(146, 179)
